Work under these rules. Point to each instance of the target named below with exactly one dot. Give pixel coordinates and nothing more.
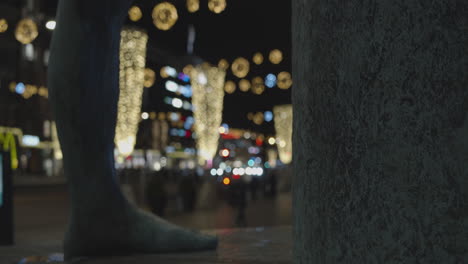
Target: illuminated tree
(283, 126)
(208, 94)
(131, 82)
(84, 92)
(380, 131)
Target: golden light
(226, 181)
(207, 99)
(257, 58)
(26, 31)
(134, 13)
(283, 126)
(152, 115)
(150, 77)
(193, 5)
(164, 15)
(244, 85)
(250, 116)
(271, 141)
(187, 69)
(217, 6)
(284, 80)
(3, 25)
(257, 85)
(163, 73)
(240, 67)
(224, 153)
(258, 118)
(223, 64)
(230, 87)
(161, 116)
(131, 82)
(58, 155)
(276, 56)
(222, 130)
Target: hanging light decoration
(26, 31)
(3, 25)
(164, 15)
(223, 64)
(240, 67)
(193, 5)
(258, 118)
(217, 6)
(257, 58)
(257, 85)
(207, 100)
(134, 13)
(276, 56)
(244, 85)
(150, 77)
(283, 125)
(132, 77)
(284, 80)
(229, 87)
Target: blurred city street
(41, 215)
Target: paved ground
(41, 216)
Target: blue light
(270, 80)
(20, 88)
(268, 116)
(184, 77)
(181, 133)
(187, 91)
(189, 122)
(174, 117)
(174, 132)
(251, 163)
(170, 149)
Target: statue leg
(83, 83)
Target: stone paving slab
(272, 245)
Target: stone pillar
(380, 131)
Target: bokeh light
(257, 85)
(217, 6)
(276, 56)
(257, 58)
(131, 82)
(283, 126)
(193, 5)
(164, 15)
(270, 80)
(207, 100)
(240, 67)
(26, 31)
(150, 77)
(223, 64)
(244, 85)
(135, 14)
(284, 80)
(3, 25)
(230, 87)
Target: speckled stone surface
(241, 246)
(380, 138)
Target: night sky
(245, 27)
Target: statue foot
(130, 231)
